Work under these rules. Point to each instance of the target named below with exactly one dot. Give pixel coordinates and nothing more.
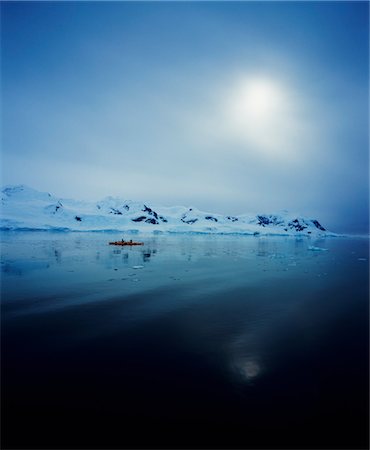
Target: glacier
(24, 208)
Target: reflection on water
(237, 341)
(67, 269)
(248, 368)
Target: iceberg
(317, 249)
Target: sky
(231, 107)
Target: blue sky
(228, 106)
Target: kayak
(125, 243)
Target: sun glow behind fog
(257, 99)
(260, 113)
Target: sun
(257, 99)
(259, 115)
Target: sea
(188, 341)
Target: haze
(229, 107)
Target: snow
(24, 208)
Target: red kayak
(126, 243)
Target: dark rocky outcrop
(268, 220)
(54, 208)
(115, 211)
(318, 225)
(211, 218)
(188, 221)
(150, 211)
(297, 225)
(152, 221)
(139, 219)
(263, 220)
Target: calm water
(188, 341)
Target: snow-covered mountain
(25, 208)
